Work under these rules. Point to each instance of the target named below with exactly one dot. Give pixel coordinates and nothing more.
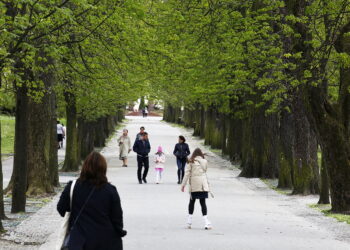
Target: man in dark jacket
(181, 151)
(142, 148)
(138, 136)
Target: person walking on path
(159, 160)
(124, 147)
(60, 134)
(138, 136)
(96, 218)
(196, 176)
(181, 151)
(142, 148)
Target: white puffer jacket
(196, 176)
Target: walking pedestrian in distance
(181, 151)
(96, 215)
(124, 147)
(159, 160)
(142, 148)
(196, 175)
(138, 136)
(60, 134)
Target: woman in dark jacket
(100, 224)
(181, 151)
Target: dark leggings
(203, 205)
(181, 164)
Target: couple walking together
(142, 148)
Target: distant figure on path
(60, 134)
(142, 148)
(146, 112)
(159, 160)
(96, 219)
(196, 175)
(138, 136)
(181, 151)
(124, 147)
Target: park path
(246, 214)
(7, 164)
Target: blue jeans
(181, 164)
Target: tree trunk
(53, 164)
(100, 135)
(2, 210)
(287, 136)
(198, 112)
(335, 148)
(20, 167)
(71, 160)
(235, 139)
(86, 137)
(260, 157)
(305, 167)
(38, 143)
(324, 193)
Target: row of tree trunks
(267, 145)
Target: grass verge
(7, 134)
(326, 210)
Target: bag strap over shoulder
(71, 194)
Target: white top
(160, 159)
(60, 130)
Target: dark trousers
(203, 205)
(181, 164)
(142, 161)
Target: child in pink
(159, 160)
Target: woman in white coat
(124, 147)
(196, 176)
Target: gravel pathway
(245, 213)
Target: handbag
(67, 237)
(65, 224)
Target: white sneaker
(208, 225)
(189, 221)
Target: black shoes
(144, 180)
(140, 182)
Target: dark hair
(94, 169)
(181, 137)
(197, 152)
(142, 128)
(58, 122)
(144, 133)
